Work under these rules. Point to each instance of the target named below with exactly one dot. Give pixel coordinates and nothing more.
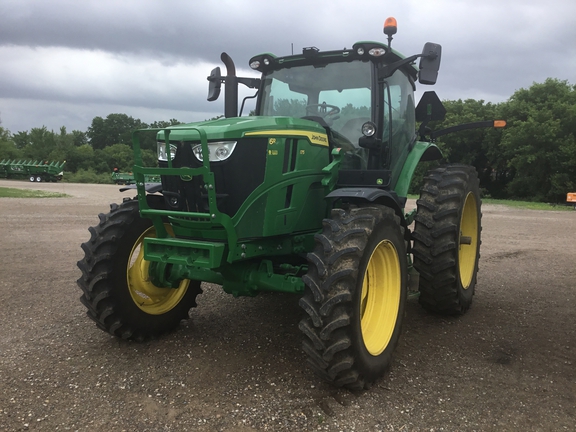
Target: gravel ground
(508, 364)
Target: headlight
(219, 151)
(368, 129)
(377, 52)
(161, 146)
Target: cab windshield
(338, 93)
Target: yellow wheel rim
(468, 241)
(151, 299)
(380, 300)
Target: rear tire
(117, 291)
(355, 296)
(447, 239)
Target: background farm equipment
(306, 197)
(35, 171)
(121, 178)
(571, 199)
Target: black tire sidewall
(437, 238)
(372, 367)
(138, 319)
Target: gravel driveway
(508, 364)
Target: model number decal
(313, 137)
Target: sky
(64, 62)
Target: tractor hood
(238, 127)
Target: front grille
(235, 178)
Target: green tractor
(306, 197)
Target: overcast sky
(64, 62)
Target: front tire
(447, 239)
(355, 296)
(117, 290)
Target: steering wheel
(322, 110)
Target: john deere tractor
(306, 197)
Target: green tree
(118, 156)
(37, 144)
(114, 129)
(4, 134)
(149, 158)
(8, 149)
(21, 139)
(77, 148)
(81, 157)
(477, 147)
(539, 142)
(79, 138)
(163, 124)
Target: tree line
(532, 158)
(90, 155)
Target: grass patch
(28, 193)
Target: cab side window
(399, 117)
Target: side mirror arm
(388, 70)
(250, 82)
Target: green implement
(35, 171)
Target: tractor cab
(363, 97)
(344, 96)
(366, 118)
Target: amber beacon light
(390, 28)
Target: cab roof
(376, 52)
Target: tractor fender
(420, 152)
(372, 195)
